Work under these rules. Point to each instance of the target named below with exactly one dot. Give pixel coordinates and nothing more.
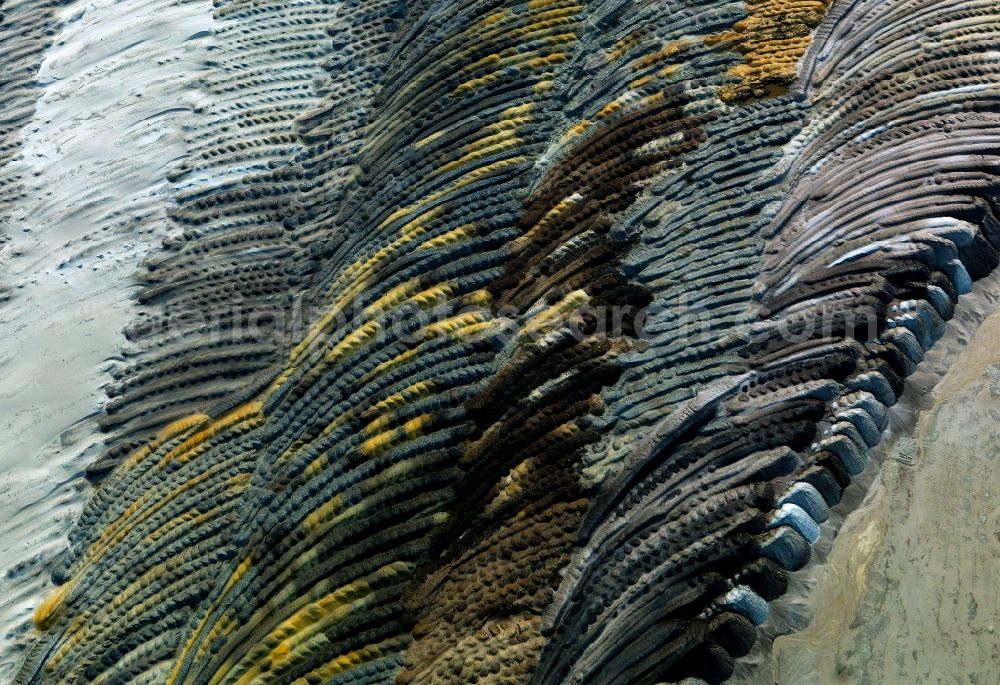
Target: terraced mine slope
(505, 342)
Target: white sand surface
(119, 86)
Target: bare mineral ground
(910, 591)
(508, 342)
